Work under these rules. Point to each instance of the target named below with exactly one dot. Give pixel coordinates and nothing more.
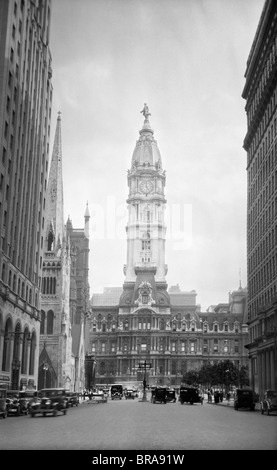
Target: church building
(65, 288)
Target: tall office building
(260, 143)
(25, 113)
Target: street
(131, 424)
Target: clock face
(146, 186)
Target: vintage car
(170, 395)
(158, 395)
(116, 391)
(29, 396)
(269, 402)
(244, 398)
(16, 404)
(3, 403)
(52, 401)
(190, 395)
(130, 394)
(72, 399)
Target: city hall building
(144, 322)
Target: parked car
(244, 398)
(72, 399)
(3, 403)
(170, 395)
(269, 402)
(52, 401)
(16, 405)
(190, 395)
(27, 397)
(158, 395)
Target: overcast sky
(186, 59)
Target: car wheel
(268, 411)
(64, 412)
(5, 414)
(32, 414)
(262, 410)
(55, 412)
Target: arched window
(50, 241)
(42, 322)
(50, 322)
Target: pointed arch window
(50, 322)
(50, 240)
(42, 322)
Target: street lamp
(45, 368)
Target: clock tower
(146, 228)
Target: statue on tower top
(145, 111)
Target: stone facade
(65, 288)
(260, 93)
(25, 79)
(148, 323)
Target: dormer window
(216, 327)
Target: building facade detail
(144, 320)
(260, 143)
(25, 111)
(65, 288)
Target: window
(103, 347)
(205, 346)
(236, 346)
(215, 345)
(93, 349)
(226, 327)
(193, 327)
(42, 323)
(192, 346)
(225, 347)
(50, 322)
(146, 242)
(143, 347)
(183, 346)
(216, 327)
(205, 328)
(173, 347)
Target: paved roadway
(131, 424)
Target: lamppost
(45, 368)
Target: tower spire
(54, 195)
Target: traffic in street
(125, 424)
